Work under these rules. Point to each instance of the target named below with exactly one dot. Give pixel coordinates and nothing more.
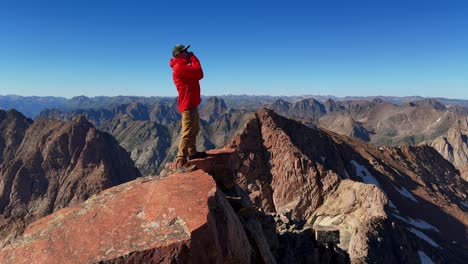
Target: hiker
(186, 72)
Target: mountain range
(150, 131)
(30, 106)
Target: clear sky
(350, 47)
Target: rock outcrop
(454, 146)
(289, 169)
(358, 210)
(56, 164)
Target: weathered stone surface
(350, 209)
(131, 218)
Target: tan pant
(189, 132)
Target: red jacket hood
(174, 61)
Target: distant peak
(216, 101)
(15, 113)
(264, 113)
(428, 102)
(80, 97)
(80, 120)
(281, 102)
(212, 109)
(12, 114)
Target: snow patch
(346, 174)
(393, 206)
(365, 175)
(424, 237)
(438, 119)
(328, 221)
(403, 191)
(424, 258)
(417, 223)
(464, 204)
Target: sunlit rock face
(454, 146)
(50, 164)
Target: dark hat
(178, 49)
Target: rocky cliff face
(13, 126)
(454, 146)
(297, 171)
(56, 164)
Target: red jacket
(186, 75)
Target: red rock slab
(214, 156)
(219, 163)
(137, 216)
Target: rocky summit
(279, 192)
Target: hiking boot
(182, 166)
(198, 155)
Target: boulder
(149, 220)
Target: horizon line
(252, 95)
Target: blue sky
(103, 47)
